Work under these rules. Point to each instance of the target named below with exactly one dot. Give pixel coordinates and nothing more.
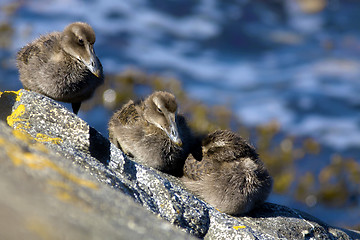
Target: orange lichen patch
(45, 138)
(239, 227)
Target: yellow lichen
(65, 193)
(40, 147)
(41, 228)
(79, 181)
(15, 115)
(32, 160)
(13, 153)
(22, 135)
(45, 138)
(38, 162)
(65, 196)
(59, 184)
(239, 227)
(18, 94)
(25, 137)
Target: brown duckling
(153, 133)
(62, 65)
(230, 175)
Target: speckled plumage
(62, 65)
(153, 133)
(230, 175)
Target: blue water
(266, 60)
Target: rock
(44, 195)
(60, 177)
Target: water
(266, 60)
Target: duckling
(151, 132)
(230, 175)
(62, 65)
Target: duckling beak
(93, 64)
(174, 134)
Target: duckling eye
(81, 41)
(159, 110)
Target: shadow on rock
(99, 147)
(7, 101)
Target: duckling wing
(128, 114)
(40, 49)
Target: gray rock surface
(60, 178)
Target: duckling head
(78, 40)
(161, 110)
